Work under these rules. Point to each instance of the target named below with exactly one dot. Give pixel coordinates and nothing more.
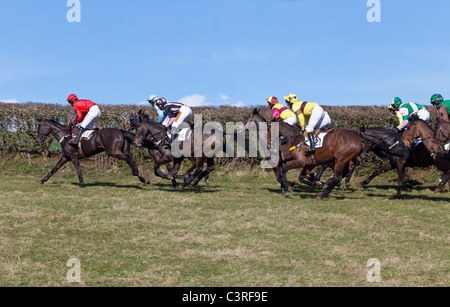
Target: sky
(217, 52)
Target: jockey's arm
(400, 119)
(444, 113)
(301, 119)
(79, 118)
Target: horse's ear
(140, 112)
(255, 111)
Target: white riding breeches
(424, 115)
(291, 120)
(319, 119)
(184, 115)
(90, 119)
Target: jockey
(87, 114)
(281, 112)
(311, 116)
(177, 113)
(161, 114)
(406, 110)
(442, 105)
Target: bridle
(415, 138)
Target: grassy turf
(239, 231)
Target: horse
(420, 129)
(340, 147)
(400, 158)
(157, 133)
(442, 132)
(162, 155)
(289, 132)
(115, 142)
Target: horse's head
(442, 131)
(411, 133)
(43, 131)
(254, 118)
(141, 133)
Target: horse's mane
(425, 123)
(55, 122)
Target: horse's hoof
(290, 189)
(169, 177)
(320, 197)
(342, 188)
(82, 186)
(361, 185)
(207, 182)
(41, 182)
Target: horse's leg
(200, 162)
(291, 165)
(175, 169)
(58, 165)
(76, 163)
(321, 172)
(440, 188)
(304, 174)
(211, 167)
(353, 165)
(401, 179)
(133, 166)
(376, 173)
(278, 176)
(159, 173)
(333, 182)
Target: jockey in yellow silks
(310, 115)
(279, 111)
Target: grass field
(239, 231)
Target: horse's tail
(380, 149)
(128, 136)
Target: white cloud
(223, 97)
(142, 103)
(9, 101)
(195, 100)
(239, 104)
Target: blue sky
(213, 52)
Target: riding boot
(312, 143)
(74, 142)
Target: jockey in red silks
(87, 114)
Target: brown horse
(290, 134)
(420, 129)
(148, 130)
(115, 142)
(442, 132)
(339, 148)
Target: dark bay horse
(400, 159)
(420, 129)
(115, 142)
(162, 155)
(290, 135)
(148, 130)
